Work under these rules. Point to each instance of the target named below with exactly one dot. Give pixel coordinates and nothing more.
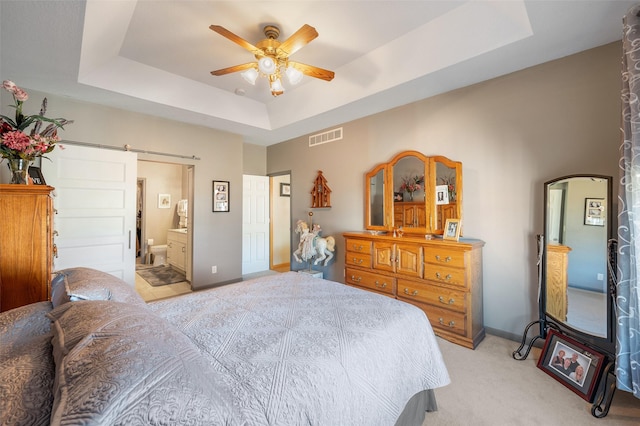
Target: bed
(286, 349)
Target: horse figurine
(312, 244)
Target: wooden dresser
(557, 281)
(443, 278)
(26, 244)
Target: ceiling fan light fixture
(250, 75)
(276, 87)
(267, 65)
(294, 75)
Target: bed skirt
(415, 410)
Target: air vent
(326, 137)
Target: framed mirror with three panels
(415, 192)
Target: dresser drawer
(358, 246)
(370, 280)
(444, 275)
(352, 258)
(442, 256)
(443, 319)
(432, 294)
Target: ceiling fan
(272, 57)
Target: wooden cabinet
(177, 249)
(446, 211)
(409, 214)
(26, 245)
(443, 278)
(557, 281)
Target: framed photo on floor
(573, 364)
(220, 196)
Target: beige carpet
(488, 387)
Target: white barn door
(255, 224)
(95, 202)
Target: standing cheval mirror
(576, 288)
(577, 272)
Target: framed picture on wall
(573, 364)
(164, 201)
(285, 189)
(220, 196)
(594, 211)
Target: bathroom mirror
(576, 289)
(437, 195)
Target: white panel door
(95, 202)
(255, 224)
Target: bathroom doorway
(164, 190)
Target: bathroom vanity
(177, 248)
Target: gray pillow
(27, 369)
(91, 284)
(118, 363)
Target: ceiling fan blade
(236, 39)
(234, 68)
(299, 39)
(312, 71)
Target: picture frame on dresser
(452, 230)
(573, 364)
(35, 173)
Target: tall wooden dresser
(443, 278)
(26, 244)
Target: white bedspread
(308, 351)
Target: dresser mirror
(576, 275)
(431, 193)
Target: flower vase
(411, 196)
(19, 171)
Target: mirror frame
(431, 209)
(606, 344)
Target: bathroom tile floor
(149, 292)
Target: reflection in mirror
(410, 172)
(577, 230)
(376, 198)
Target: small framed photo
(220, 196)
(442, 194)
(164, 201)
(594, 211)
(285, 189)
(452, 230)
(571, 363)
(35, 173)
(398, 196)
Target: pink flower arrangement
(412, 184)
(15, 142)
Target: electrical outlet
(214, 269)
(600, 277)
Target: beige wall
(216, 236)
(512, 134)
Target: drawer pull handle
(446, 259)
(357, 248)
(353, 278)
(383, 285)
(439, 276)
(451, 323)
(450, 302)
(357, 261)
(413, 293)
